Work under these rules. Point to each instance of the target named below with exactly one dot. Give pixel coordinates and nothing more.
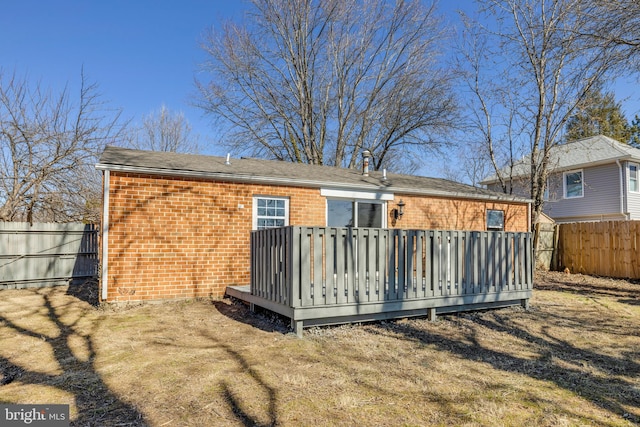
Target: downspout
(621, 188)
(105, 236)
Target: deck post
(525, 303)
(431, 314)
(296, 325)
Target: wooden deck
(322, 276)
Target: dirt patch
(572, 359)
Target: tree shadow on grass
(96, 404)
(244, 388)
(608, 384)
(235, 403)
(623, 290)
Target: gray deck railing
(320, 266)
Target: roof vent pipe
(365, 162)
(228, 161)
(384, 174)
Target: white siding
(601, 197)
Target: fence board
(372, 265)
(420, 278)
(45, 254)
(607, 248)
(318, 289)
(436, 262)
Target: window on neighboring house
(269, 212)
(495, 220)
(340, 213)
(573, 184)
(633, 177)
(545, 195)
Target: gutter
(227, 177)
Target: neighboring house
(592, 179)
(178, 225)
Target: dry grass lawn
(573, 359)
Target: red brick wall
(447, 214)
(182, 238)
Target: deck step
(239, 292)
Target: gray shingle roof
(284, 173)
(592, 151)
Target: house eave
(260, 179)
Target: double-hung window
(573, 184)
(269, 212)
(633, 178)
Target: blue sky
(142, 54)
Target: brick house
(178, 226)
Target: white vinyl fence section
(46, 254)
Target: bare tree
(546, 68)
(164, 130)
(617, 23)
(316, 81)
(48, 146)
(492, 124)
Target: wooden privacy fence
(374, 271)
(46, 254)
(607, 248)
(545, 243)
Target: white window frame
(545, 194)
(355, 208)
(255, 209)
(564, 184)
(637, 178)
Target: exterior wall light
(399, 211)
